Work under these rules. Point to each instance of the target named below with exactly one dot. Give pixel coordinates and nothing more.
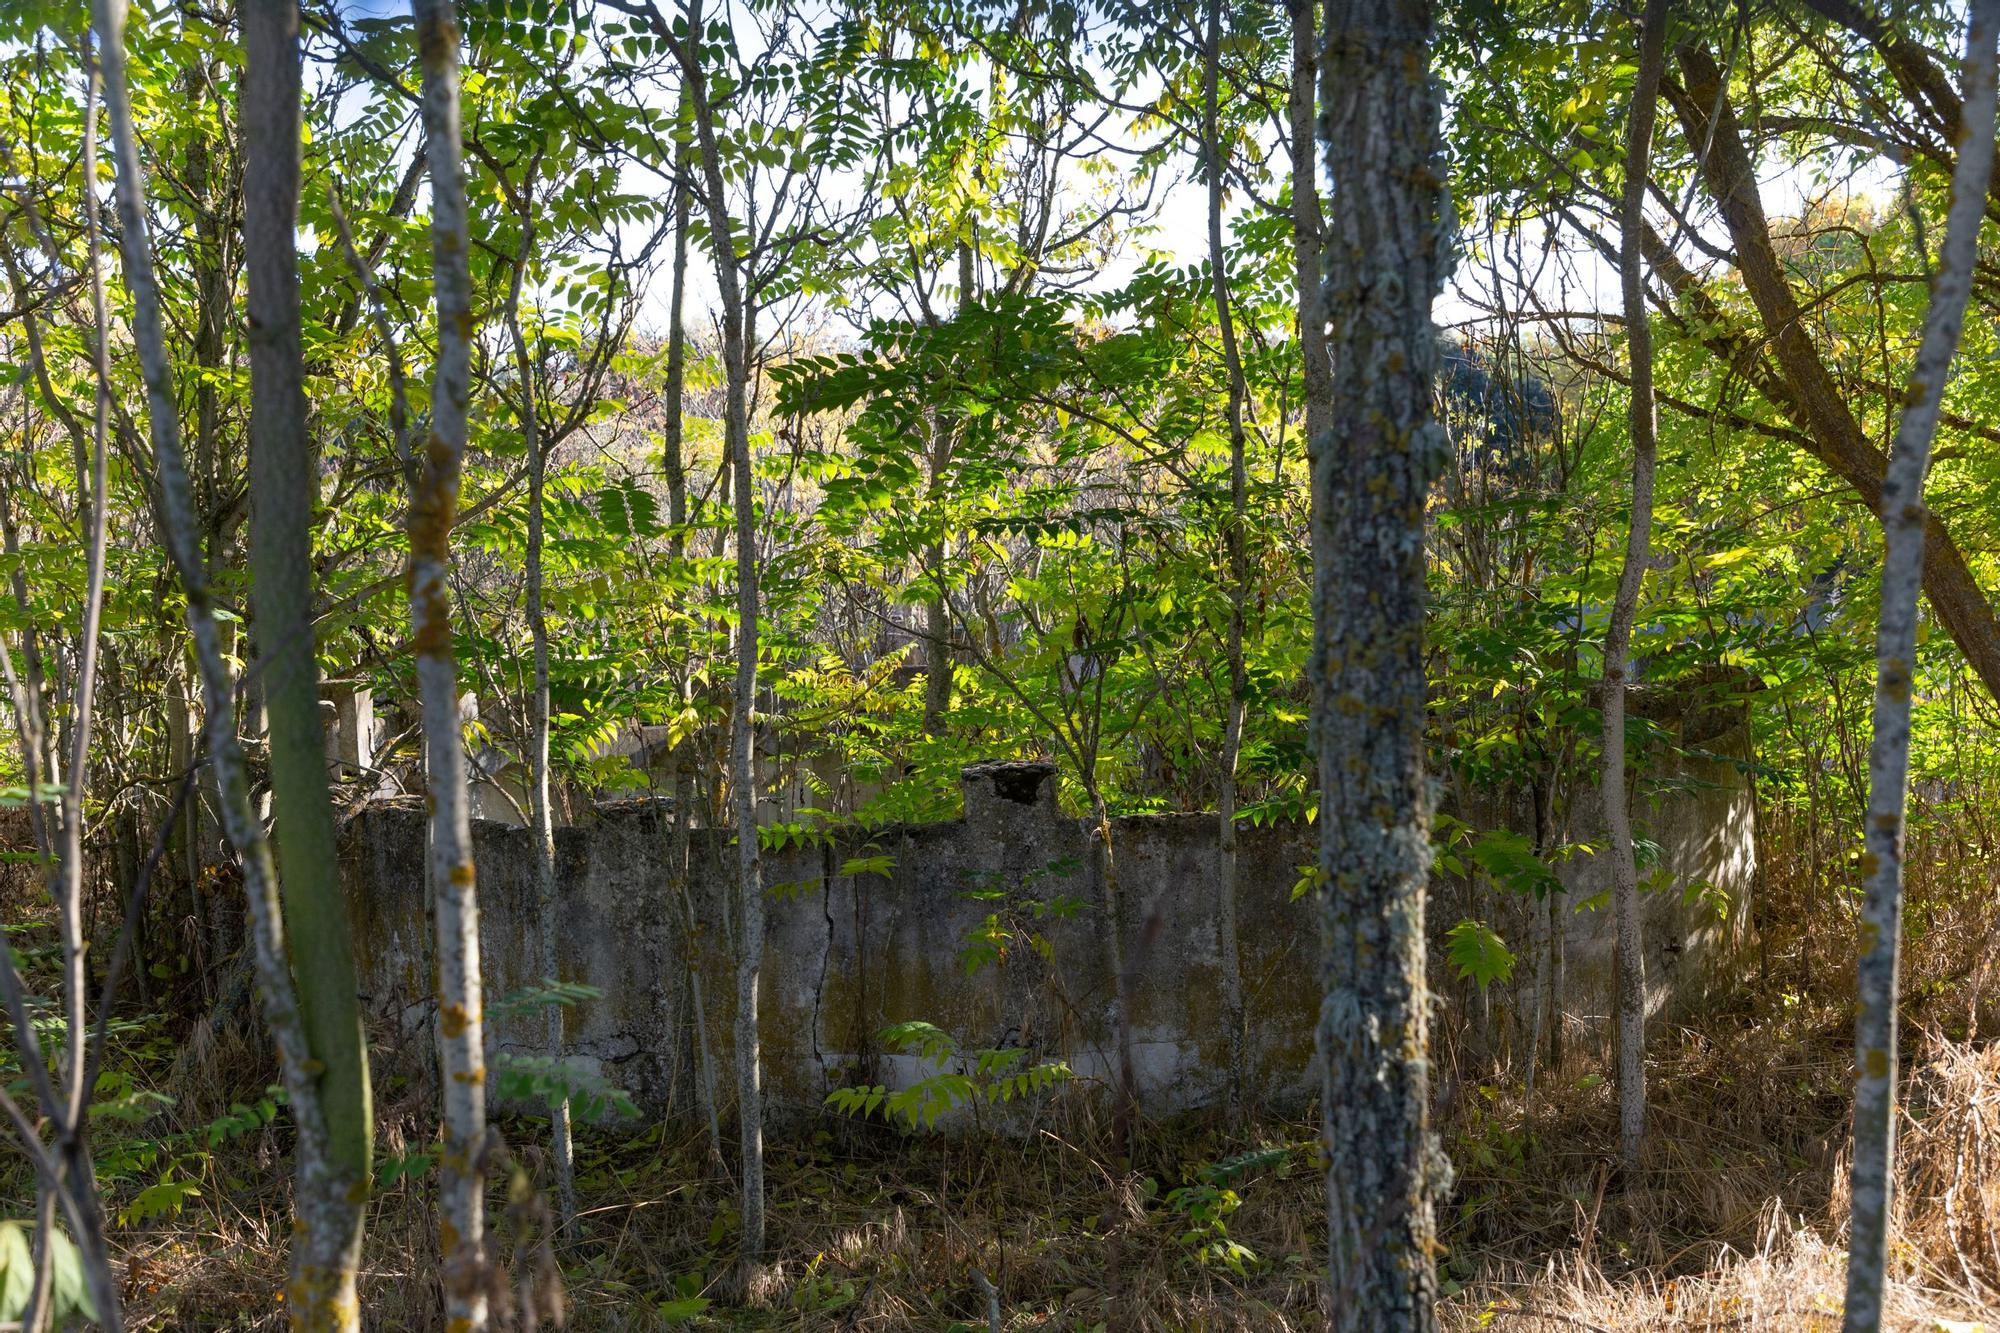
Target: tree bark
(213, 271)
(1234, 533)
(673, 460)
(743, 739)
(1643, 424)
(326, 1251)
(244, 830)
(675, 463)
(1903, 525)
(433, 507)
(540, 813)
(1708, 120)
(1372, 471)
(65, 1174)
(1316, 377)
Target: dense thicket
(780, 407)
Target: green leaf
(165, 1199)
(1478, 954)
(1509, 858)
(542, 995)
(682, 1307)
(71, 1292)
(17, 1270)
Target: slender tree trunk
(1618, 637)
(1904, 516)
(1316, 375)
(1372, 472)
(1558, 983)
(187, 831)
(672, 442)
(937, 653)
(326, 1249)
(433, 506)
(213, 268)
(72, 1181)
(38, 1313)
(1806, 388)
(1234, 532)
(945, 428)
(743, 784)
(92, 496)
(743, 738)
(314, 1171)
(540, 813)
(1541, 930)
(675, 463)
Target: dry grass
(1948, 1213)
(868, 1228)
(1794, 1280)
(1739, 1223)
(875, 1230)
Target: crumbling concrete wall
(875, 929)
(1693, 801)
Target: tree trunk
(679, 854)
(1814, 399)
(1316, 377)
(213, 272)
(326, 1250)
(937, 656)
(1234, 532)
(743, 739)
(1903, 522)
(66, 1173)
(1371, 476)
(244, 830)
(673, 459)
(433, 506)
(1618, 637)
(540, 814)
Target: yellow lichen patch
(1877, 1063)
(454, 1020)
(462, 874)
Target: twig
(987, 1290)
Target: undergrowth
(1738, 1222)
(874, 1228)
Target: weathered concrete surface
(1696, 806)
(873, 930)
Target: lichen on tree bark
(1385, 258)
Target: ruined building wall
(873, 931)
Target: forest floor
(1737, 1226)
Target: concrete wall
(873, 931)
